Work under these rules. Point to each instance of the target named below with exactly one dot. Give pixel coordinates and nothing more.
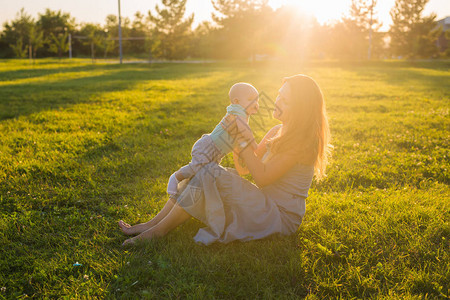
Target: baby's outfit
(209, 148)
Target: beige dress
(233, 208)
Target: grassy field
(83, 146)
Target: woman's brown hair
(307, 134)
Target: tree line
(240, 29)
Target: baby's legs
(183, 173)
(136, 229)
(203, 152)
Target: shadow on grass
(35, 71)
(177, 267)
(24, 99)
(409, 75)
(385, 65)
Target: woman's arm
(259, 149)
(242, 170)
(238, 161)
(265, 174)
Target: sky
(95, 11)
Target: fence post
(70, 45)
(369, 51)
(120, 35)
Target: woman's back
(296, 181)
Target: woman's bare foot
(128, 229)
(135, 229)
(129, 242)
(145, 236)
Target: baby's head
(245, 95)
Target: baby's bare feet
(126, 228)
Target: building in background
(442, 41)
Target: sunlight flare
(322, 10)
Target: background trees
(352, 37)
(413, 35)
(139, 29)
(93, 38)
(36, 40)
(171, 32)
(294, 35)
(56, 27)
(241, 29)
(16, 35)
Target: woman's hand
(237, 128)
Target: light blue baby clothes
(220, 137)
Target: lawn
(84, 145)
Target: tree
(243, 27)
(412, 35)
(59, 44)
(292, 34)
(19, 50)
(112, 34)
(51, 29)
(36, 40)
(171, 32)
(355, 36)
(447, 51)
(5, 50)
(93, 36)
(138, 31)
(202, 40)
(112, 39)
(55, 26)
(17, 33)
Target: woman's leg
(139, 228)
(174, 218)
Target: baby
(214, 146)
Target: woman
(282, 166)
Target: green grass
(82, 146)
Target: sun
(304, 6)
(323, 10)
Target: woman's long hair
(307, 134)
